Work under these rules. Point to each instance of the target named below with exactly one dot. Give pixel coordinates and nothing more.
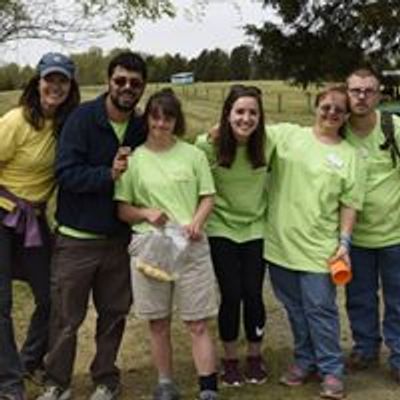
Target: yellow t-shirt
(26, 158)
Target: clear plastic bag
(160, 253)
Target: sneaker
(20, 395)
(296, 376)
(255, 371)
(166, 391)
(54, 392)
(230, 374)
(103, 392)
(37, 376)
(359, 362)
(208, 395)
(396, 374)
(332, 387)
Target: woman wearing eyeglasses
(235, 228)
(27, 148)
(315, 188)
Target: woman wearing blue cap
(27, 148)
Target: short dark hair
(364, 72)
(166, 102)
(226, 143)
(130, 61)
(32, 108)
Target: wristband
(345, 241)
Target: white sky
(220, 26)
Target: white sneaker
(103, 392)
(54, 392)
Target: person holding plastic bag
(236, 227)
(170, 180)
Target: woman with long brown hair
(236, 152)
(27, 148)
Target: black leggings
(240, 272)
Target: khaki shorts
(193, 292)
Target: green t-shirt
(119, 129)
(378, 224)
(171, 181)
(308, 181)
(241, 198)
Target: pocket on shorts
(135, 243)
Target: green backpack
(390, 143)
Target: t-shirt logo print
(334, 161)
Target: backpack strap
(387, 127)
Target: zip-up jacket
(86, 148)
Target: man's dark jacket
(86, 148)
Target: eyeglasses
(357, 92)
(134, 83)
(325, 108)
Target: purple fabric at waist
(23, 218)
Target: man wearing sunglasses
(90, 256)
(375, 253)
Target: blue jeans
(35, 263)
(310, 302)
(369, 267)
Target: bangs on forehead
(163, 106)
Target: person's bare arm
(204, 209)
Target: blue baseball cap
(56, 62)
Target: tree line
(304, 42)
(210, 66)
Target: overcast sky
(221, 26)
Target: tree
(315, 41)
(211, 66)
(240, 63)
(67, 20)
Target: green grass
(202, 105)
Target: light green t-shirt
(119, 130)
(378, 224)
(241, 198)
(171, 181)
(308, 181)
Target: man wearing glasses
(375, 253)
(90, 254)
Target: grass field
(202, 104)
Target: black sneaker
(358, 362)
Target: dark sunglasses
(134, 83)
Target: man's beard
(125, 108)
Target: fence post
(279, 102)
(309, 102)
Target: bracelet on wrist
(345, 240)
